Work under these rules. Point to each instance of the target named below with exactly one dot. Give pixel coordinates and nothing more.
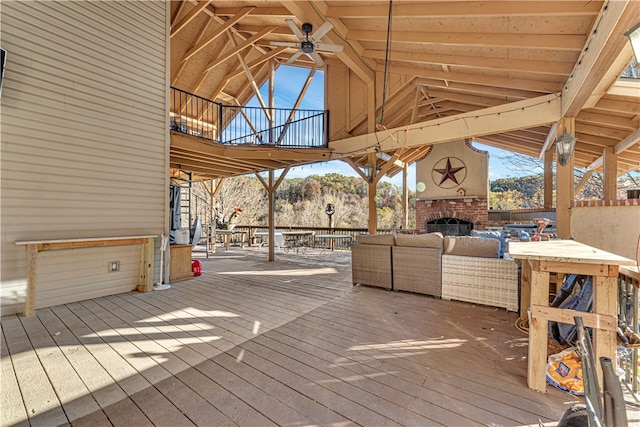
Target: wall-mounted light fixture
(634, 37)
(565, 145)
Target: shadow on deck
(251, 342)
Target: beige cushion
(429, 240)
(483, 247)
(376, 239)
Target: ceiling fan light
(306, 47)
(565, 146)
(634, 37)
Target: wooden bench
(145, 283)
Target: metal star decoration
(449, 172)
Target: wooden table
(568, 257)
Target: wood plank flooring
(258, 343)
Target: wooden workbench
(568, 257)
(34, 246)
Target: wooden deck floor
(257, 343)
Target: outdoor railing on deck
(235, 125)
(338, 244)
(629, 354)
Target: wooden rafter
(476, 62)
(190, 16)
(237, 49)
(219, 32)
(568, 42)
(453, 9)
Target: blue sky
(289, 80)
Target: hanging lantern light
(565, 145)
(634, 38)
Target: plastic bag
(564, 371)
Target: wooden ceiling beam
(589, 129)
(475, 89)
(621, 148)
(189, 143)
(539, 86)
(481, 101)
(570, 42)
(470, 8)
(393, 100)
(190, 16)
(351, 56)
(237, 49)
(594, 139)
(475, 62)
(217, 33)
(607, 120)
(239, 70)
(503, 118)
(603, 47)
(266, 11)
(617, 105)
(211, 163)
(184, 155)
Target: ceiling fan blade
(294, 28)
(294, 57)
(286, 44)
(324, 29)
(329, 47)
(316, 58)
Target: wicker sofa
(400, 262)
(458, 268)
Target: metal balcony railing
(234, 125)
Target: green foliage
(301, 201)
(528, 186)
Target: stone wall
(610, 225)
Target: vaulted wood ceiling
(500, 72)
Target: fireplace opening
(450, 226)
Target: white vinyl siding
(69, 271)
(84, 145)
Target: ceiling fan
(309, 44)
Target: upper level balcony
(248, 126)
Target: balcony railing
(234, 125)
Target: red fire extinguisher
(196, 267)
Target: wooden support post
(405, 197)
(538, 328)
(604, 301)
(525, 287)
(146, 266)
(373, 214)
(32, 280)
(271, 191)
(610, 166)
(548, 179)
(565, 193)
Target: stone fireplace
(453, 189)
